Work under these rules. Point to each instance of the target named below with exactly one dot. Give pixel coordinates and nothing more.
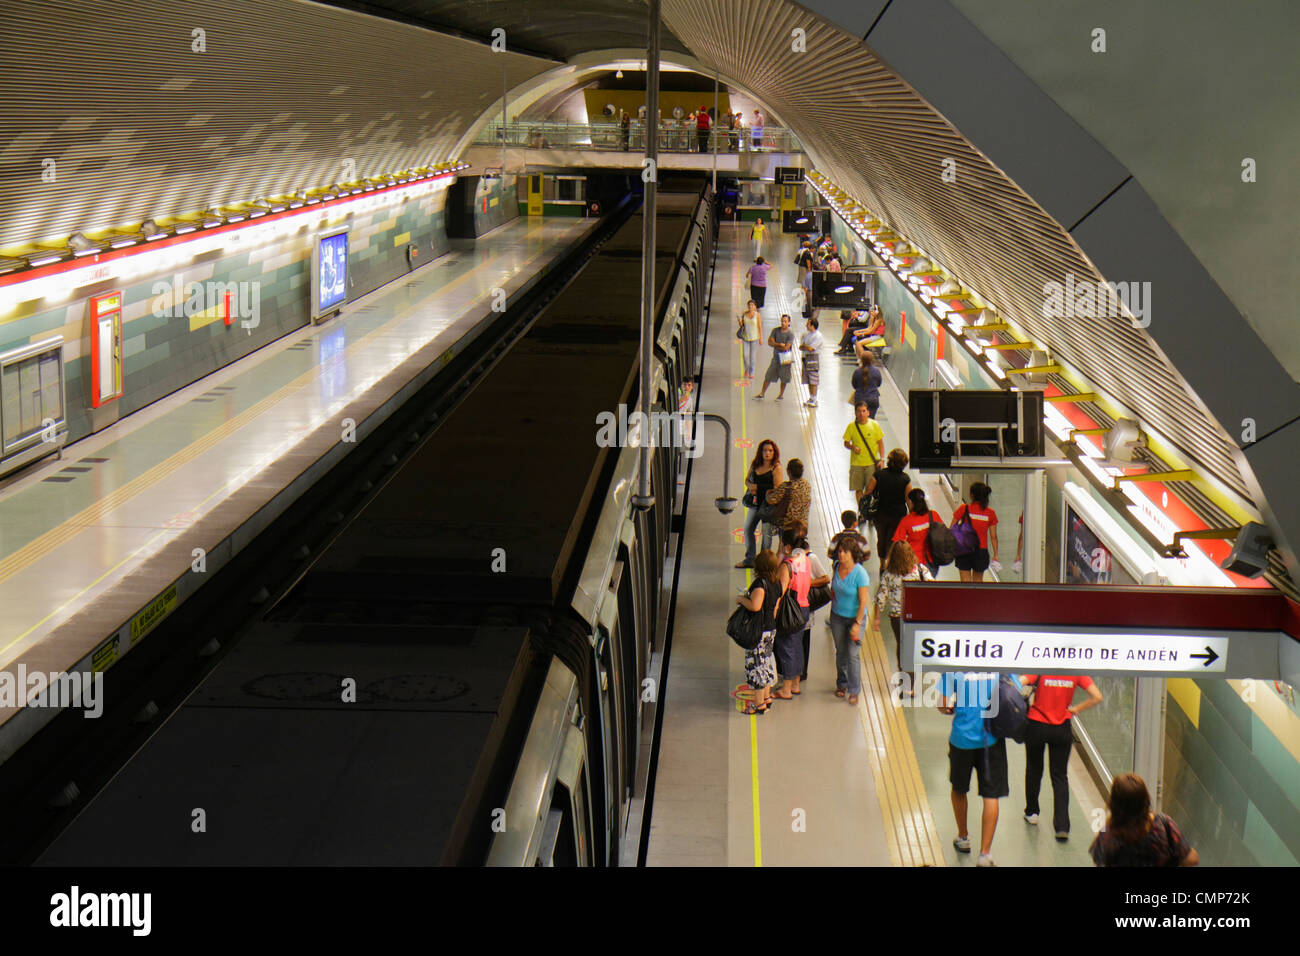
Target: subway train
(458, 677)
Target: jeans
(751, 525)
(1058, 740)
(749, 350)
(848, 672)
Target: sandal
(853, 698)
(840, 692)
(749, 710)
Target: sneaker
(985, 860)
(1062, 835)
(780, 398)
(758, 398)
(962, 844)
(811, 403)
(1031, 818)
(744, 563)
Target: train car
(457, 678)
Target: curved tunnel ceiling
(261, 111)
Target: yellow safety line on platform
(753, 762)
(60, 534)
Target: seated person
(860, 325)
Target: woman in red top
(985, 522)
(916, 526)
(1049, 726)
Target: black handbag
(819, 597)
(750, 500)
(778, 511)
(745, 627)
(789, 613)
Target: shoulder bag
(941, 542)
(789, 613)
(965, 536)
(779, 510)
(745, 627)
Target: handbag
(786, 357)
(819, 597)
(740, 334)
(745, 627)
(750, 500)
(964, 533)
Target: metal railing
(674, 137)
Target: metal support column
(1149, 736)
(650, 176)
(1033, 554)
(713, 132)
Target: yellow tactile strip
(910, 831)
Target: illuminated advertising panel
(329, 273)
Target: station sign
(1037, 651)
(1232, 633)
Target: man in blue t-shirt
(970, 698)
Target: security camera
(725, 505)
(1249, 556)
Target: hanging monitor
(329, 272)
(843, 290)
(979, 429)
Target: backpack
(1012, 717)
(963, 532)
(941, 542)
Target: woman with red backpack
(983, 520)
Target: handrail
(674, 136)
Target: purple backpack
(968, 541)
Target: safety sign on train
(1034, 652)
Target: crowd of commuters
(779, 501)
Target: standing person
(795, 572)
(760, 662)
(758, 130)
(985, 522)
(850, 589)
(733, 139)
(970, 746)
(625, 127)
(850, 532)
(820, 578)
(1049, 726)
(866, 383)
(915, 528)
(757, 276)
(797, 489)
(811, 345)
(902, 566)
(865, 440)
(764, 474)
(804, 260)
(782, 342)
(1134, 836)
(750, 325)
(758, 233)
(703, 123)
(741, 136)
(891, 486)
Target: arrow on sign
(1209, 656)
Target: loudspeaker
(1124, 436)
(1249, 556)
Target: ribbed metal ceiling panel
(885, 145)
(138, 124)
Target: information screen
(332, 271)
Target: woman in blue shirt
(850, 584)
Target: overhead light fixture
(81, 246)
(121, 242)
(183, 227)
(618, 75)
(44, 258)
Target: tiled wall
(502, 204)
(1232, 781)
(163, 352)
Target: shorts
(860, 477)
(992, 778)
(776, 372)
(811, 373)
(977, 560)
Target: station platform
(95, 548)
(815, 781)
